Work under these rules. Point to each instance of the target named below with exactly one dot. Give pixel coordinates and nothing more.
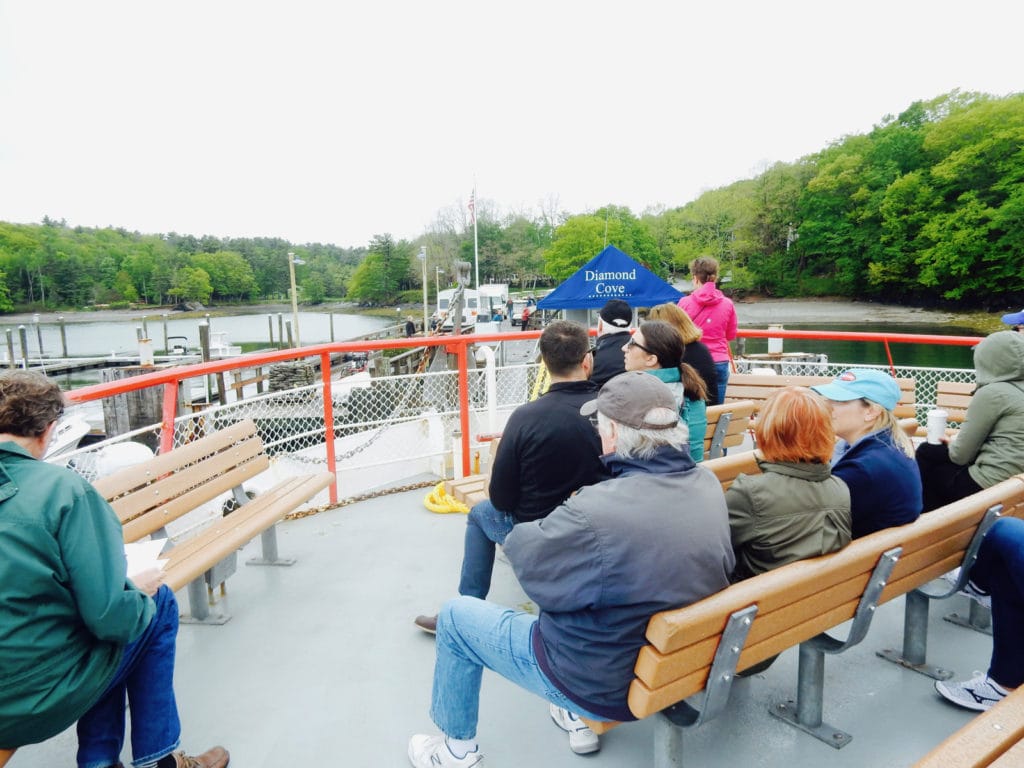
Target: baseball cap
(876, 386)
(1016, 318)
(617, 312)
(635, 399)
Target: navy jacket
(885, 483)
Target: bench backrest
(802, 599)
(739, 413)
(759, 387)
(728, 468)
(953, 397)
(148, 496)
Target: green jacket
(991, 440)
(67, 609)
(790, 512)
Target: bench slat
(160, 515)
(993, 738)
(192, 558)
(121, 482)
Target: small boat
(220, 347)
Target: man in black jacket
(547, 451)
(613, 323)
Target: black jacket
(609, 360)
(547, 451)
(699, 357)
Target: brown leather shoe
(214, 757)
(427, 623)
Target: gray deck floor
(322, 666)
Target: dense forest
(926, 208)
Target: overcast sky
(328, 121)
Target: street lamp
(292, 261)
(437, 279)
(422, 256)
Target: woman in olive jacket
(795, 508)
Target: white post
(292, 261)
(491, 384)
(422, 256)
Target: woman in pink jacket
(714, 314)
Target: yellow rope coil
(440, 502)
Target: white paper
(143, 555)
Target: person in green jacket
(989, 446)
(77, 636)
(795, 508)
(657, 348)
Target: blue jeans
(473, 634)
(146, 678)
(722, 370)
(485, 527)
(999, 571)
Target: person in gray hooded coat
(989, 447)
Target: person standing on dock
(77, 636)
(655, 536)
(547, 451)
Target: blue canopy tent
(610, 275)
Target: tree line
(927, 207)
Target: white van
(470, 306)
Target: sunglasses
(634, 343)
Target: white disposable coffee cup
(936, 426)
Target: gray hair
(633, 443)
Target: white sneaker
(432, 752)
(969, 589)
(980, 693)
(582, 740)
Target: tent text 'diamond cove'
(610, 275)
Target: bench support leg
(268, 541)
(979, 618)
(668, 743)
(199, 605)
(805, 714)
(915, 639)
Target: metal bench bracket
(806, 712)
(915, 613)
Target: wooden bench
(993, 739)
(727, 424)
(5, 756)
(953, 397)
(700, 648)
(148, 496)
(759, 387)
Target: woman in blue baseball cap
(1015, 320)
(873, 455)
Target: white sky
(332, 121)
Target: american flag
(472, 205)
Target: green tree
(191, 284)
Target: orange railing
(171, 378)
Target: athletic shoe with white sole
(981, 598)
(980, 693)
(582, 740)
(433, 752)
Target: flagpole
(476, 244)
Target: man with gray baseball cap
(655, 536)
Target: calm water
(858, 352)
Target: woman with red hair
(795, 508)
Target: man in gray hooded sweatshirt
(989, 447)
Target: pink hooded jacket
(714, 314)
